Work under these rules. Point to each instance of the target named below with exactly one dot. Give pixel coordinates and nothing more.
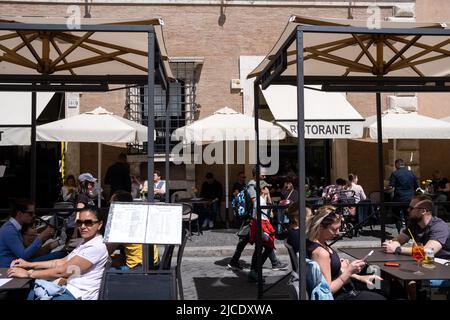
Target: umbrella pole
(380, 166)
(99, 171)
(226, 186)
(395, 152)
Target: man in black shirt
(431, 231)
(118, 175)
(404, 183)
(212, 191)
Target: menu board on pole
(147, 223)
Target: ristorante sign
(326, 129)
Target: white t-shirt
(359, 192)
(86, 286)
(158, 185)
(262, 202)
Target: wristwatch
(30, 272)
(398, 250)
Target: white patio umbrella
(400, 124)
(227, 125)
(98, 125)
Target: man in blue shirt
(404, 184)
(11, 241)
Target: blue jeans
(65, 296)
(125, 268)
(440, 283)
(364, 211)
(213, 211)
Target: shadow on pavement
(374, 233)
(224, 263)
(237, 288)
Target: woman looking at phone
(339, 273)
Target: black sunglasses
(88, 223)
(332, 217)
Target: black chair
(166, 262)
(188, 217)
(166, 258)
(135, 285)
(178, 266)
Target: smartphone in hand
(367, 256)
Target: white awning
(327, 115)
(15, 109)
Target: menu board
(149, 223)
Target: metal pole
(301, 162)
(258, 246)
(33, 148)
(227, 187)
(167, 143)
(99, 172)
(380, 167)
(147, 252)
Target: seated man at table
(211, 190)
(433, 232)
(11, 240)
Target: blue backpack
(242, 204)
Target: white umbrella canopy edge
(99, 126)
(401, 124)
(408, 125)
(227, 124)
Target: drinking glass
(418, 254)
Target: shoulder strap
(287, 198)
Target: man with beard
(433, 232)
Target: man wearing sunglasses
(433, 232)
(11, 242)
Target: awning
(15, 109)
(327, 115)
(356, 54)
(78, 52)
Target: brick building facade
(219, 33)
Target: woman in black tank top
(322, 227)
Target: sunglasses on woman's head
(332, 216)
(87, 222)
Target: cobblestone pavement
(206, 277)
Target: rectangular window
(182, 106)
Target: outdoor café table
(194, 200)
(405, 272)
(14, 283)
(378, 255)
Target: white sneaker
(205, 223)
(211, 224)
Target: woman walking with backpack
(243, 233)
